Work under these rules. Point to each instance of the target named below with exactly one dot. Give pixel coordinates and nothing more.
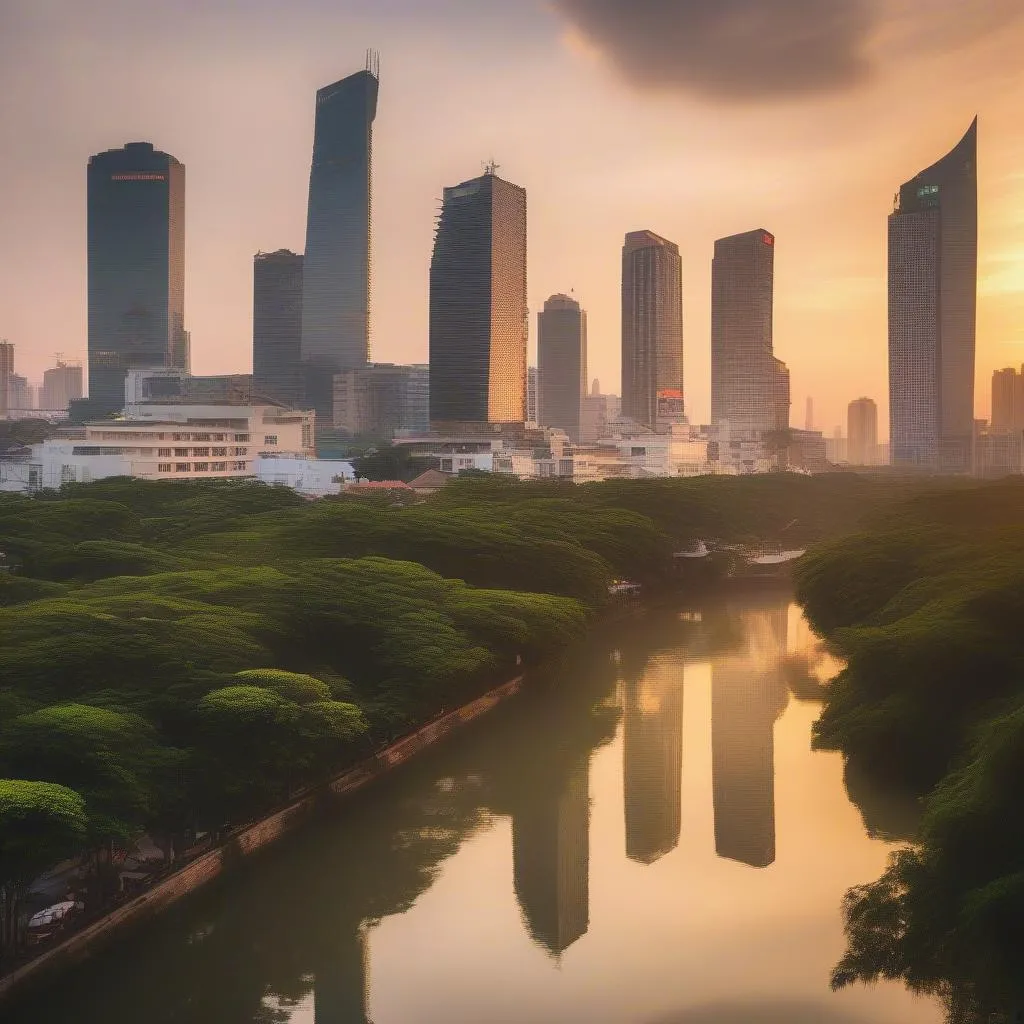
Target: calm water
(645, 837)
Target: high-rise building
(532, 394)
(478, 312)
(336, 271)
(933, 284)
(562, 359)
(6, 372)
(136, 256)
(277, 326)
(1008, 399)
(62, 385)
(381, 399)
(862, 432)
(748, 385)
(652, 330)
(20, 394)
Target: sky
(692, 118)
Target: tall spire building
(478, 311)
(933, 285)
(652, 329)
(336, 269)
(136, 267)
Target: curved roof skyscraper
(933, 284)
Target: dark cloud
(734, 49)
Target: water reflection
(522, 818)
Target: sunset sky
(694, 118)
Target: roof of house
(379, 485)
(431, 478)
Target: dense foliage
(927, 609)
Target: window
(181, 467)
(200, 437)
(201, 453)
(181, 453)
(242, 437)
(270, 439)
(238, 466)
(164, 453)
(241, 451)
(164, 467)
(202, 467)
(179, 437)
(307, 436)
(219, 451)
(218, 467)
(217, 437)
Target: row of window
(240, 438)
(202, 467)
(199, 453)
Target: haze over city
(695, 120)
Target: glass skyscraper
(652, 329)
(749, 386)
(277, 327)
(933, 285)
(336, 274)
(478, 312)
(562, 364)
(136, 257)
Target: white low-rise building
(316, 478)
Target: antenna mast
(373, 62)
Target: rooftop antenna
(373, 62)
(491, 167)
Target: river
(643, 837)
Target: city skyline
(699, 164)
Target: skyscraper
(652, 329)
(478, 312)
(748, 385)
(933, 283)
(1008, 399)
(336, 272)
(562, 359)
(62, 385)
(277, 326)
(862, 432)
(136, 254)
(6, 373)
(531, 394)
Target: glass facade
(336, 272)
(382, 400)
(933, 284)
(277, 327)
(562, 359)
(749, 386)
(136, 258)
(478, 311)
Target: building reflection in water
(748, 693)
(340, 992)
(652, 759)
(551, 860)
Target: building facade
(749, 386)
(336, 271)
(652, 330)
(562, 364)
(136, 266)
(933, 284)
(1008, 399)
(382, 400)
(531, 394)
(277, 326)
(478, 310)
(862, 432)
(62, 385)
(6, 373)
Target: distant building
(652, 330)
(532, 391)
(478, 310)
(336, 270)
(62, 385)
(749, 387)
(562, 364)
(277, 327)
(809, 418)
(933, 284)
(20, 394)
(382, 400)
(862, 432)
(998, 453)
(6, 372)
(1008, 399)
(148, 387)
(136, 267)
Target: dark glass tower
(336, 274)
(136, 254)
(652, 329)
(277, 327)
(478, 313)
(749, 386)
(933, 286)
(562, 364)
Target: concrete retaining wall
(248, 840)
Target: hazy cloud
(735, 49)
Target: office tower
(746, 380)
(478, 313)
(652, 754)
(862, 432)
(652, 330)
(551, 859)
(382, 399)
(20, 394)
(336, 272)
(1008, 399)
(748, 693)
(136, 254)
(532, 395)
(6, 372)
(933, 283)
(277, 326)
(562, 359)
(595, 388)
(809, 418)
